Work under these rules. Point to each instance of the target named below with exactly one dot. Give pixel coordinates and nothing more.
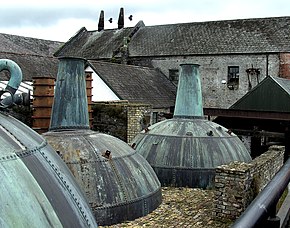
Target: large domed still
(119, 183)
(185, 150)
(37, 188)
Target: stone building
(234, 55)
(137, 88)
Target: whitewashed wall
(100, 91)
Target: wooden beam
(247, 114)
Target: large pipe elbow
(15, 74)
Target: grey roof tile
(214, 37)
(27, 45)
(137, 84)
(31, 66)
(34, 56)
(258, 35)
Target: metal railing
(262, 211)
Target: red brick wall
(284, 68)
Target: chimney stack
(121, 19)
(101, 21)
(189, 95)
(70, 105)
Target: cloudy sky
(60, 19)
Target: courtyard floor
(181, 207)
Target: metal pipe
(6, 96)
(188, 102)
(15, 74)
(263, 205)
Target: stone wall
(214, 69)
(138, 118)
(123, 119)
(110, 118)
(237, 183)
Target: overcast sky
(60, 19)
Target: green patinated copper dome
(185, 150)
(37, 188)
(119, 183)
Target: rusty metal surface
(119, 183)
(191, 148)
(37, 188)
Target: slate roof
(271, 94)
(31, 66)
(258, 35)
(94, 44)
(284, 83)
(34, 56)
(137, 84)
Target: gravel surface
(181, 207)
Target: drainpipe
(13, 84)
(188, 102)
(267, 65)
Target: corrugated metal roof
(258, 35)
(137, 84)
(271, 94)
(284, 83)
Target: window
(173, 76)
(233, 77)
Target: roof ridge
(223, 20)
(6, 34)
